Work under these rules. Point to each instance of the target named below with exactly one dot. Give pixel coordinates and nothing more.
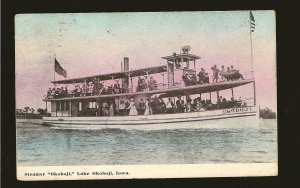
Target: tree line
(267, 113)
(28, 112)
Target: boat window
(62, 106)
(67, 105)
(92, 104)
(79, 106)
(58, 106)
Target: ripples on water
(41, 145)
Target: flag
(59, 70)
(252, 22)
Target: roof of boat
(185, 56)
(115, 75)
(171, 92)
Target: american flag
(252, 22)
(59, 70)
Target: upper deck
(167, 92)
(181, 79)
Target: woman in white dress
(148, 110)
(132, 108)
(111, 109)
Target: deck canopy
(184, 56)
(115, 75)
(197, 89)
(172, 92)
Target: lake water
(39, 145)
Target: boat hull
(227, 118)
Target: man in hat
(140, 83)
(142, 107)
(201, 76)
(117, 87)
(180, 104)
(222, 72)
(215, 73)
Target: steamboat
(113, 100)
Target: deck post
(131, 83)
(195, 65)
(46, 107)
(70, 108)
(254, 93)
(210, 96)
(218, 100)
(232, 93)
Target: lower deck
(226, 117)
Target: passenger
(201, 76)
(154, 105)
(66, 92)
(161, 106)
(148, 109)
(194, 105)
(229, 74)
(105, 108)
(244, 104)
(125, 88)
(127, 104)
(170, 106)
(110, 89)
(142, 107)
(222, 73)
(185, 80)
(117, 87)
(193, 79)
(232, 103)
(100, 87)
(94, 87)
(235, 74)
(188, 105)
(146, 80)
(180, 105)
(215, 73)
(152, 84)
(239, 102)
(220, 102)
(49, 92)
(206, 78)
(203, 104)
(140, 84)
(111, 109)
(225, 103)
(53, 92)
(132, 108)
(104, 91)
(208, 105)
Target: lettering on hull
(234, 110)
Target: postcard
(146, 95)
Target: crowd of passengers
(96, 87)
(231, 74)
(158, 106)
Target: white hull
(227, 118)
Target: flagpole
(54, 71)
(251, 43)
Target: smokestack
(125, 81)
(126, 64)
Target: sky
(95, 43)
